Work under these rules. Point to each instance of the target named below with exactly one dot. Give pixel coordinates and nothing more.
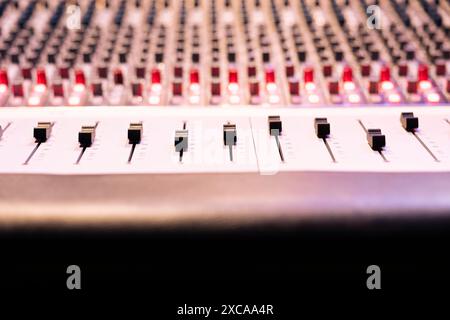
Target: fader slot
(229, 138)
(41, 134)
(375, 139)
(411, 123)
(135, 132)
(275, 130)
(2, 130)
(181, 141)
(86, 138)
(323, 130)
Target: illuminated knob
(422, 73)
(41, 77)
(194, 77)
(79, 77)
(347, 74)
(4, 78)
(308, 75)
(270, 75)
(155, 76)
(232, 76)
(385, 74)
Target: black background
(300, 268)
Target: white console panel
(345, 149)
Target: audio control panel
(90, 140)
(276, 53)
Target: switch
(135, 132)
(229, 134)
(275, 125)
(42, 131)
(376, 139)
(322, 127)
(409, 122)
(181, 141)
(86, 136)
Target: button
(412, 86)
(118, 77)
(177, 87)
(294, 86)
(229, 134)
(41, 77)
(97, 89)
(308, 75)
(4, 77)
(322, 127)
(347, 74)
(58, 89)
(254, 87)
(365, 70)
(374, 87)
(403, 69)
(42, 131)
(376, 140)
(333, 87)
(215, 87)
(136, 89)
(422, 73)
(17, 89)
(102, 72)
(26, 72)
(140, 71)
(289, 69)
(79, 77)
(275, 125)
(135, 132)
(86, 136)
(327, 70)
(441, 68)
(409, 122)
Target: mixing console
(291, 53)
(235, 88)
